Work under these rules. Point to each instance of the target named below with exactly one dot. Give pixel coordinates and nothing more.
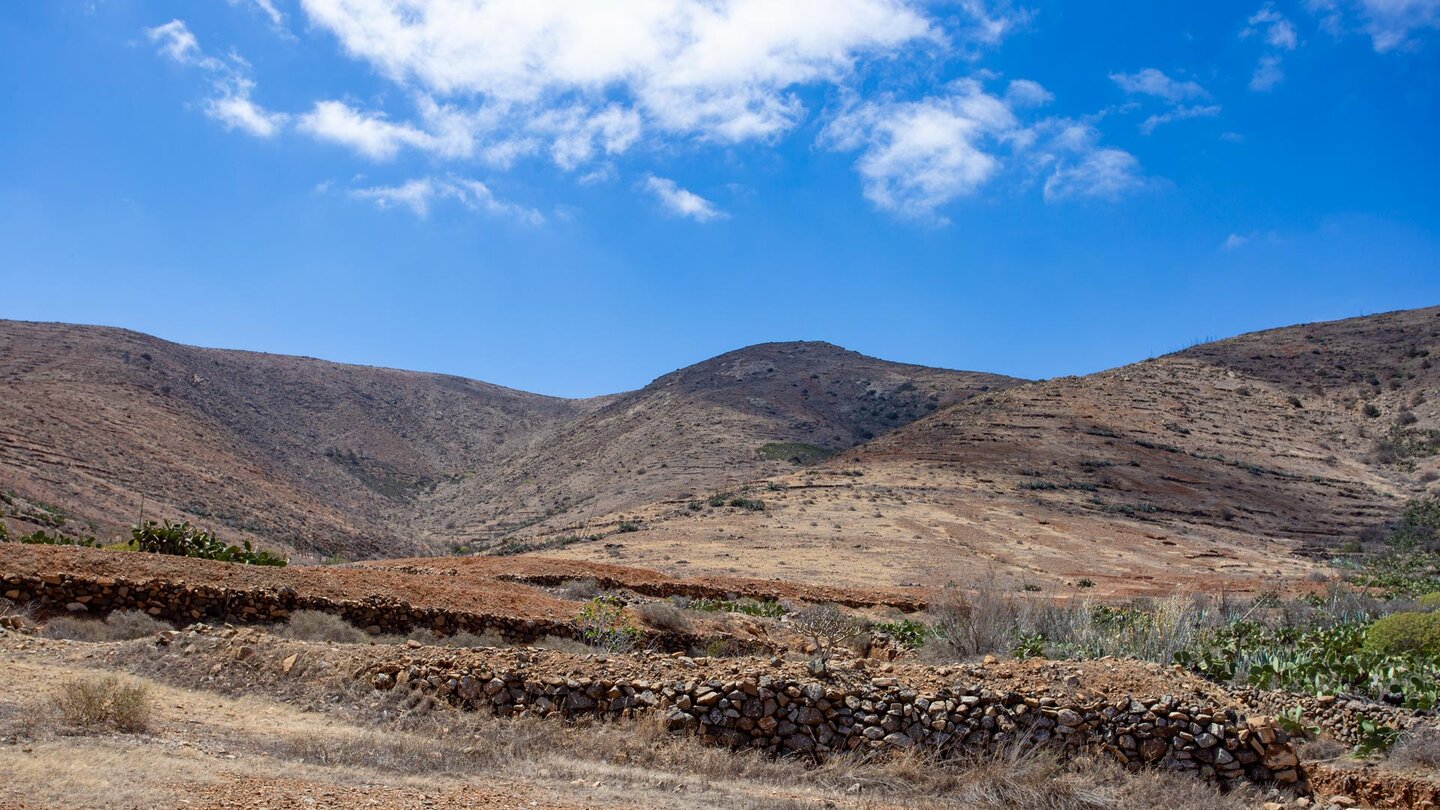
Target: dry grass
(314, 625)
(97, 704)
(359, 739)
(664, 616)
(121, 625)
(1418, 749)
(579, 589)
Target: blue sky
(575, 198)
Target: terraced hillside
(1217, 466)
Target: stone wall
(784, 715)
(1338, 715)
(181, 603)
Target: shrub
(826, 626)
(1404, 633)
(906, 632)
(1418, 748)
(664, 616)
(578, 589)
(93, 704)
(183, 540)
(1086, 583)
(752, 504)
(315, 625)
(121, 625)
(1428, 602)
(40, 538)
(603, 625)
(628, 526)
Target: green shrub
(183, 540)
(908, 633)
(628, 526)
(603, 625)
(1429, 602)
(753, 504)
(1405, 633)
(40, 538)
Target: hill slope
(746, 414)
(1218, 464)
(364, 462)
(301, 452)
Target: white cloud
(1391, 24)
(370, 135)
(680, 201)
(418, 194)
(1277, 30)
(1102, 174)
(1268, 74)
(231, 104)
(720, 70)
(1027, 93)
(1152, 82)
(266, 7)
(236, 111)
(1179, 114)
(177, 42)
(917, 156)
(1234, 241)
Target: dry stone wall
(1339, 715)
(183, 603)
(786, 715)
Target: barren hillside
(313, 455)
(746, 414)
(333, 459)
(1211, 466)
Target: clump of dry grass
(664, 616)
(121, 625)
(1419, 748)
(93, 704)
(463, 639)
(562, 645)
(579, 589)
(315, 625)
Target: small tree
(602, 624)
(826, 626)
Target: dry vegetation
(415, 744)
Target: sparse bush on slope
(121, 625)
(94, 704)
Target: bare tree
(826, 626)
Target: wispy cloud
(1391, 24)
(420, 193)
(680, 201)
(1278, 33)
(231, 103)
(1153, 82)
(1172, 92)
(1179, 114)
